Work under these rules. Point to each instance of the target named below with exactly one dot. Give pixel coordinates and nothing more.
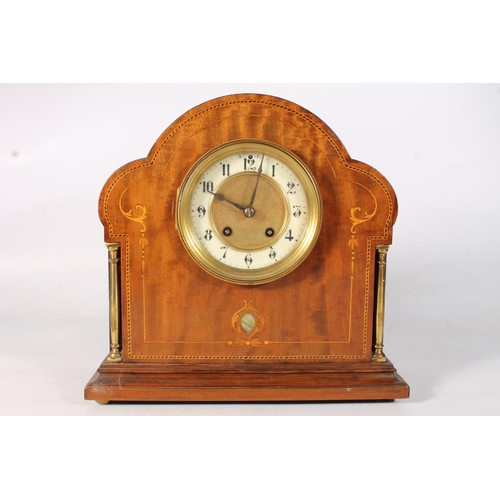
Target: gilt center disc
(249, 233)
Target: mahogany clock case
(178, 333)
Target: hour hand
(221, 197)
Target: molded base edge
(245, 383)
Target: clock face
(249, 212)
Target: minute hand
(257, 183)
(221, 197)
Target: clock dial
(249, 212)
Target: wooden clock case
(176, 332)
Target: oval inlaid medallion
(248, 322)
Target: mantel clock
(247, 258)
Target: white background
(439, 147)
(437, 144)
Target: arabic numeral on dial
(248, 163)
(208, 235)
(290, 186)
(224, 254)
(289, 235)
(272, 253)
(225, 170)
(207, 186)
(201, 211)
(273, 170)
(248, 260)
(297, 213)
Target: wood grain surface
(316, 336)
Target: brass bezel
(249, 276)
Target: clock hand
(221, 197)
(257, 183)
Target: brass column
(378, 354)
(115, 352)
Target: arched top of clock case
(249, 116)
